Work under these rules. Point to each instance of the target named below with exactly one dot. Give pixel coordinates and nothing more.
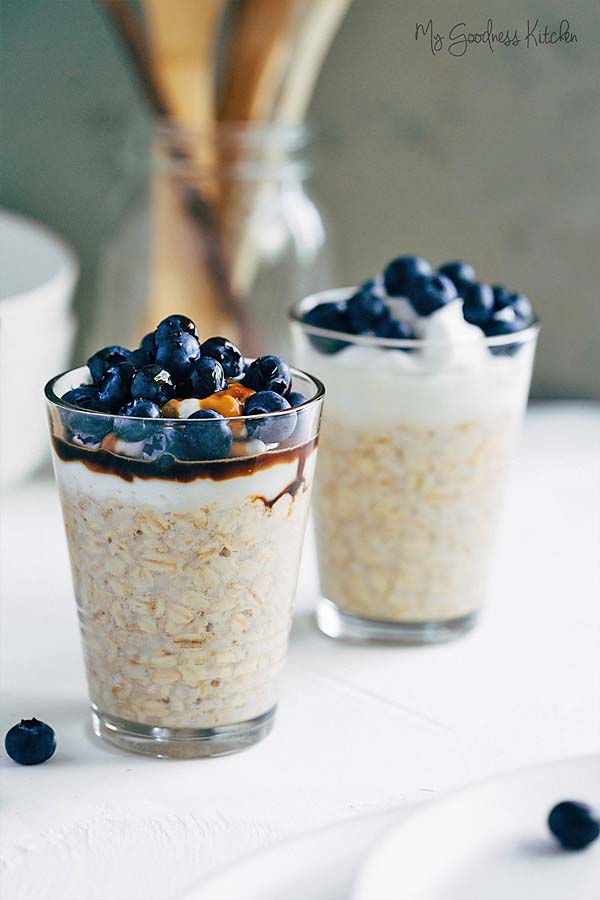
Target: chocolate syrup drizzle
(105, 462)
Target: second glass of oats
(414, 452)
(184, 572)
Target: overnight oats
(427, 378)
(184, 473)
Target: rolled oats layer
(406, 517)
(185, 615)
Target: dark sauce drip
(105, 462)
(294, 486)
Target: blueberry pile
(493, 308)
(136, 388)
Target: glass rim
(525, 335)
(309, 403)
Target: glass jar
(218, 227)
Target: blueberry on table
(460, 273)
(211, 438)
(431, 292)
(174, 325)
(125, 425)
(88, 429)
(30, 742)
(478, 303)
(164, 446)
(401, 273)
(226, 353)
(206, 377)
(332, 317)
(275, 428)
(115, 385)
(575, 825)
(177, 353)
(269, 373)
(153, 383)
(366, 311)
(295, 398)
(105, 359)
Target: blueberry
(392, 328)
(86, 397)
(148, 343)
(105, 359)
(177, 353)
(295, 398)
(522, 308)
(366, 311)
(274, 429)
(478, 303)
(206, 378)
(574, 824)
(164, 446)
(400, 274)
(459, 273)
(153, 383)
(140, 358)
(431, 292)
(269, 373)
(333, 317)
(88, 429)
(505, 321)
(30, 742)
(126, 426)
(174, 325)
(501, 295)
(115, 386)
(209, 439)
(226, 353)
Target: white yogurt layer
(450, 379)
(172, 496)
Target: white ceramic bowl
(38, 274)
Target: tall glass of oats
(414, 453)
(184, 570)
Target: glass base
(181, 743)
(337, 624)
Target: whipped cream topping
(452, 377)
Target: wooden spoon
(182, 37)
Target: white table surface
(359, 729)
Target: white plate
(320, 865)
(38, 273)
(490, 842)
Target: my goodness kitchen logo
(460, 39)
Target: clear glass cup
(184, 571)
(413, 460)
